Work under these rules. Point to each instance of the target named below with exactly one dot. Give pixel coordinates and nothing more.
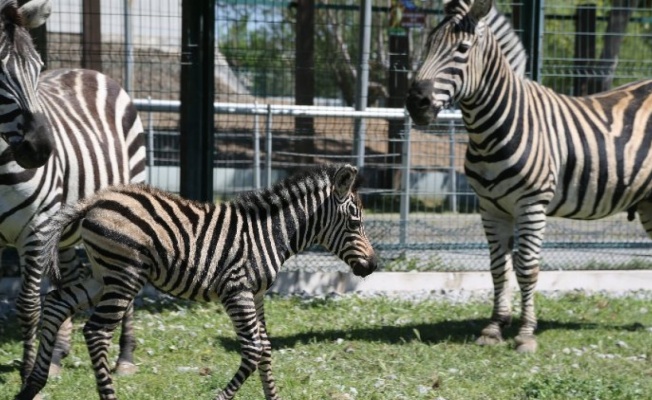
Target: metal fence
(421, 213)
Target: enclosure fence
(427, 220)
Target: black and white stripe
(230, 252)
(532, 152)
(96, 141)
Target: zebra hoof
(125, 368)
(486, 340)
(490, 336)
(526, 344)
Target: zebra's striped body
(229, 252)
(97, 142)
(532, 152)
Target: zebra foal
(67, 133)
(532, 153)
(229, 252)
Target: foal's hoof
(526, 344)
(125, 368)
(55, 370)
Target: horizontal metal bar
(291, 110)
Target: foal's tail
(50, 235)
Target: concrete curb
(318, 283)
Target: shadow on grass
(458, 331)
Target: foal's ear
(480, 9)
(35, 13)
(344, 179)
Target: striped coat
(532, 152)
(96, 141)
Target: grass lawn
(590, 347)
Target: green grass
(590, 347)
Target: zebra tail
(51, 233)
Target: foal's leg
(125, 364)
(265, 364)
(242, 310)
(59, 305)
(116, 299)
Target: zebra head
(22, 123)
(343, 232)
(453, 65)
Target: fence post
(197, 98)
(405, 180)
(150, 141)
(268, 147)
(532, 19)
(585, 17)
(256, 148)
(453, 176)
(362, 84)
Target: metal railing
(275, 110)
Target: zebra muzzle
(419, 104)
(364, 267)
(34, 148)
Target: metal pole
(197, 96)
(129, 48)
(256, 153)
(150, 143)
(268, 147)
(362, 82)
(405, 181)
(453, 176)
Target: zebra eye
(463, 47)
(355, 224)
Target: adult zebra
(532, 152)
(229, 252)
(76, 131)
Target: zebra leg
(59, 306)
(499, 232)
(241, 309)
(28, 309)
(531, 225)
(71, 271)
(265, 364)
(125, 364)
(116, 299)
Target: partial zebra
(532, 152)
(89, 136)
(229, 252)
(508, 40)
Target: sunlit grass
(590, 347)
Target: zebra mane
(308, 181)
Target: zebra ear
(480, 9)
(344, 179)
(34, 13)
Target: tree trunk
(304, 90)
(605, 67)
